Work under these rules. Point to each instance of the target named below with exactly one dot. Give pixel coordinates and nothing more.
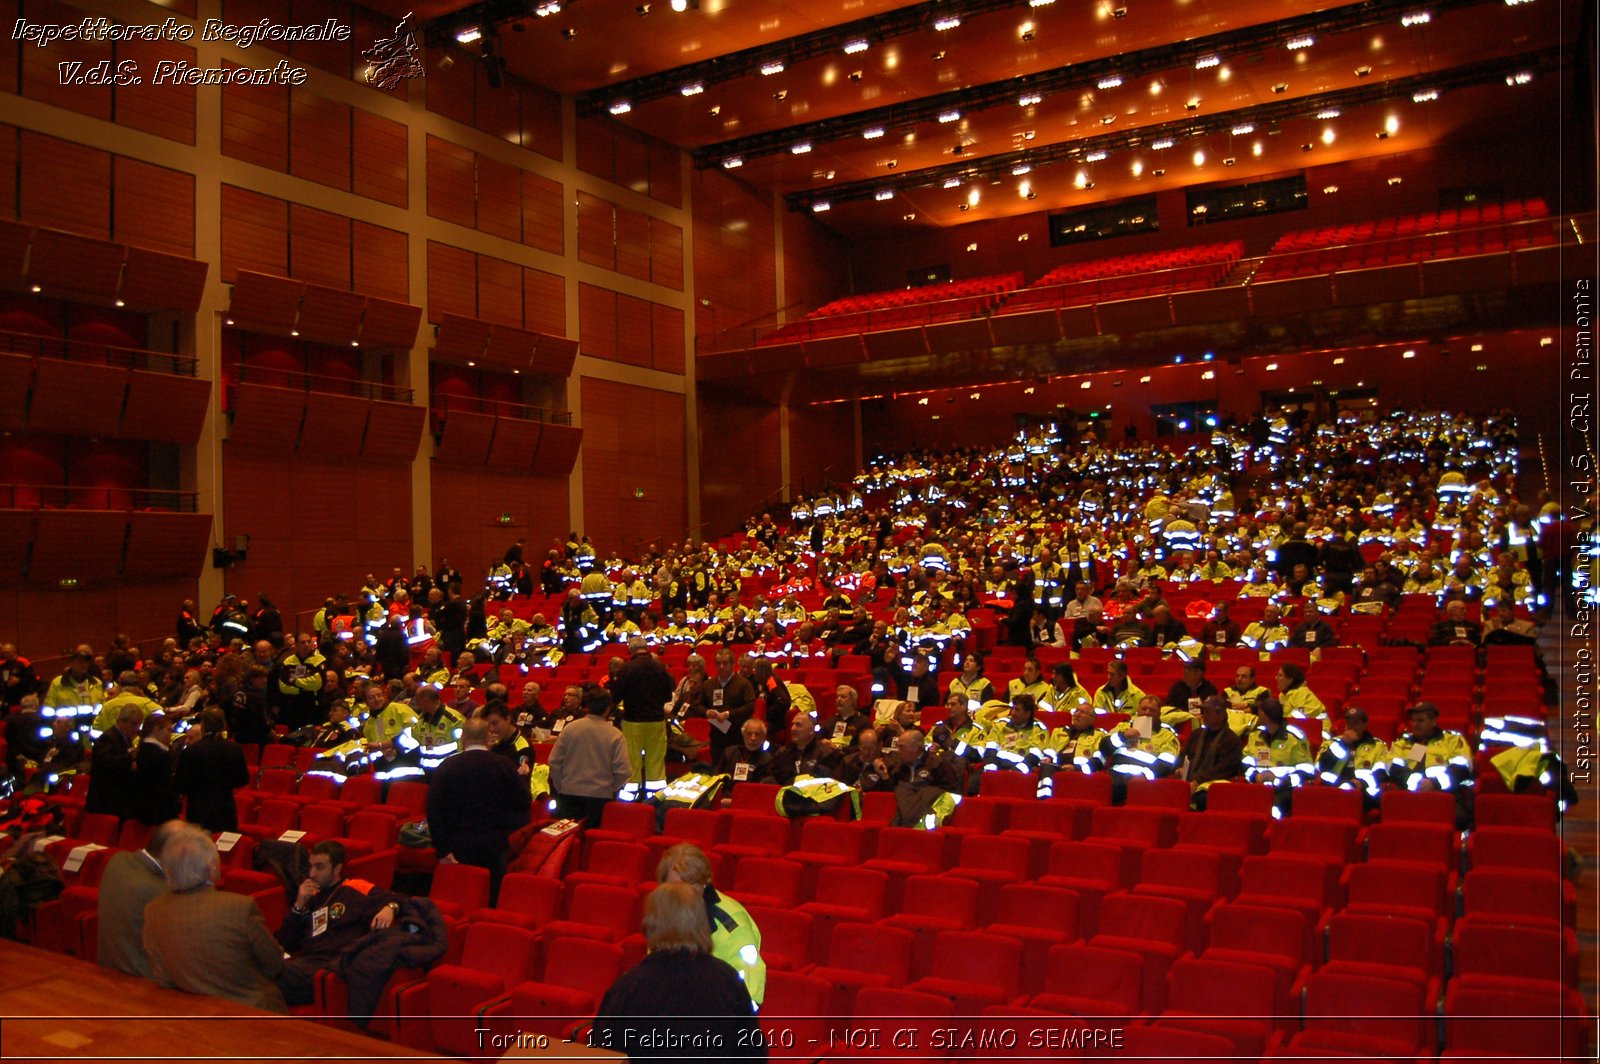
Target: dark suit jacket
(475, 801)
(213, 942)
(111, 775)
(131, 881)
(738, 701)
(208, 774)
(1213, 757)
(155, 797)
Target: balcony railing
(66, 497)
(1390, 249)
(56, 347)
(322, 383)
(444, 404)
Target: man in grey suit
(207, 941)
(132, 880)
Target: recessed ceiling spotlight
(781, 94)
(1159, 172)
(1280, 88)
(1229, 161)
(938, 57)
(1193, 104)
(856, 75)
(1107, 120)
(1363, 71)
(1395, 180)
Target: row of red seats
(1428, 221)
(899, 297)
(1142, 262)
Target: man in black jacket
(644, 689)
(475, 801)
(210, 768)
(329, 915)
(111, 766)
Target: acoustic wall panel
(63, 263)
(499, 291)
(465, 438)
(319, 247)
(558, 451)
(254, 233)
(452, 282)
(514, 446)
(255, 123)
(388, 324)
(164, 406)
(16, 378)
(84, 545)
(380, 150)
(153, 281)
(380, 262)
(499, 199)
(393, 432)
(450, 183)
(77, 398)
(542, 226)
(16, 541)
(335, 425)
(153, 207)
(64, 185)
(162, 545)
(544, 302)
(266, 417)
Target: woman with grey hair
(680, 1000)
(205, 941)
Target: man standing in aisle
(644, 688)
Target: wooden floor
(1567, 656)
(54, 1007)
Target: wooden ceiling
(600, 48)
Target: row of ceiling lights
(1104, 74)
(1241, 123)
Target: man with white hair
(208, 941)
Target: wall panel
(499, 291)
(319, 247)
(254, 233)
(597, 321)
(467, 504)
(452, 282)
(666, 338)
(544, 302)
(633, 472)
(308, 542)
(666, 254)
(65, 185)
(633, 331)
(319, 140)
(542, 226)
(380, 262)
(450, 183)
(380, 172)
(153, 207)
(165, 110)
(596, 231)
(633, 244)
(739, 463)
(735, 272)
(255, 124)
(499, 199)
(42, 78)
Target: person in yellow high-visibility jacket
(735, 938)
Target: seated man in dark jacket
(1214, 752)
(329, 915)
(751, 759)
(806, 754)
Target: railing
(68, 497)
(56, 347)
(444, 404)
(1511, 235)
(245, 373)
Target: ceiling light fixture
(1020, 169)
(773, 67)
(1522, 77)
(952, 182)
(621, 107)
(800, 149)
(1162, 144)
(733, 162)
(1111, 82)
(1416, 18)
(872, 134)
(949, 22)
(1206, 62)
(694, 88)
(946, 117)
(1425, 96)
(1028, 99)
(883, 194)
(820, 206)
(1243, 129)
(469, 35)
(1294, 44)
(1328, 112)
(1094, 156)
(859, 44)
